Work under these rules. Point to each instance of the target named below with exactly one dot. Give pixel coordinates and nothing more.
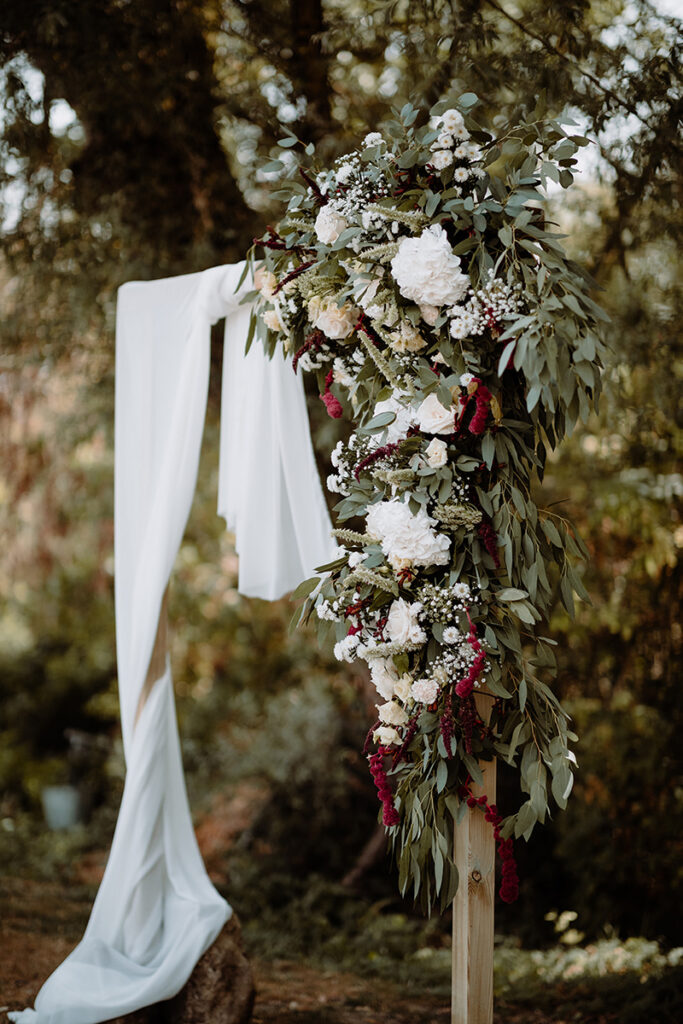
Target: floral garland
(418, 280)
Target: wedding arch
(418, 279)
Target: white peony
(425, 691)
(427, 271)
(329, 225)
(405, 419)
(391, 713)
(333, 320)
(437, 453)
(403, 626)
(407, 339)
(406, 539)
(385, 736)
(435, 418)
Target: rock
(220, 989)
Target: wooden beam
(473, 906)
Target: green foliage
(530, 366)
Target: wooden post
(475, 859)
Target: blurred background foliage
(130, 139)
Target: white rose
(391, 713)
(385, 736)
(272, 320)
(383, 678)
(368, 291)
(329, 225)
(437, 453)
(406, 539)
(430, 314)
(427, 271)
(333, 320)
(405, 419)
(407, 339)
(435, 418)
(265, 282)
(403, 624)
(466, 379)
(402, 687)
(425, 691)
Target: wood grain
(473, 906)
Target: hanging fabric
(156, 911)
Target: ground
(42, 921)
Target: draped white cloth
(156, 911)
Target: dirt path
(41, 922)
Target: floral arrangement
(418, 279)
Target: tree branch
(571, 61)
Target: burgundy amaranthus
(302, 268)
(468, 719)
(509, 885)
(407, 740)
(368, 739)
(332, 404)
(482, 400)
(315, 340)
(446, 725)
(320, 198)
(482, 397)
(390, 815)
(490, 541)
(465, 686)
(379, 453)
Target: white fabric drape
(156, 911)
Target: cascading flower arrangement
(418, 279)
